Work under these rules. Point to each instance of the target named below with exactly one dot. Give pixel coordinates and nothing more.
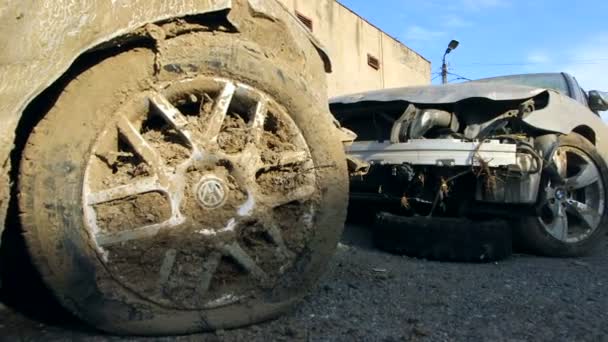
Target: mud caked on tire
(572, 210)
(208, 194)
(443, 239)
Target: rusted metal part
(43, 38)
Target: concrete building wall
(350, 39)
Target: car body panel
(444, 94)
(561, 115)
(41, 40)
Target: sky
(500, 37)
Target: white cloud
(589, 62)
(538, 57)
(453, 21)
(460, 5)
(477, 5)
(418, 33)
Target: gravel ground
(368, 295)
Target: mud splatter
(235, 134)
(169, 144)
(130, 213)
(282, 180)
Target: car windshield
(556, 81)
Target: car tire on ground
(207, 194)
(361, 213)
(443, 239)
(572, 210)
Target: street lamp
(444, 68)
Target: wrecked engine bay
(468, 158)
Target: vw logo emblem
(211, 193)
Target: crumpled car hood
(449, 93)
(561, 115)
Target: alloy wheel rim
(573, 204)
(200, 193)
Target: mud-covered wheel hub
(200, 193)
(211, 192)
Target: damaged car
(451, 170)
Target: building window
(373, 62)
(305, 20)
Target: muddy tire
(205, 194)
(443, 239)
(572, 210)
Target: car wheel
(210, 195)
(572, 213)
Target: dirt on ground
(368, 295)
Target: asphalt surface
(368, 295)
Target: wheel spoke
(229, 229)
(246, 163)
(209, 268)
(137, 187)
(166, 268)
(140, 145)
(290, 158)
(586, 176)
(561, 163)
(556, 170)
(238, 254)
(590, 216)
(300, 194)
(559, 225)
(275, 234)
(294, 158)
(219, 112)
(107, 239)
(173, 116)
(258, 119)
(247, 208)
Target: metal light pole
(444, 67)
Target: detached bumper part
(510, 176)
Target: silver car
(529, 149)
